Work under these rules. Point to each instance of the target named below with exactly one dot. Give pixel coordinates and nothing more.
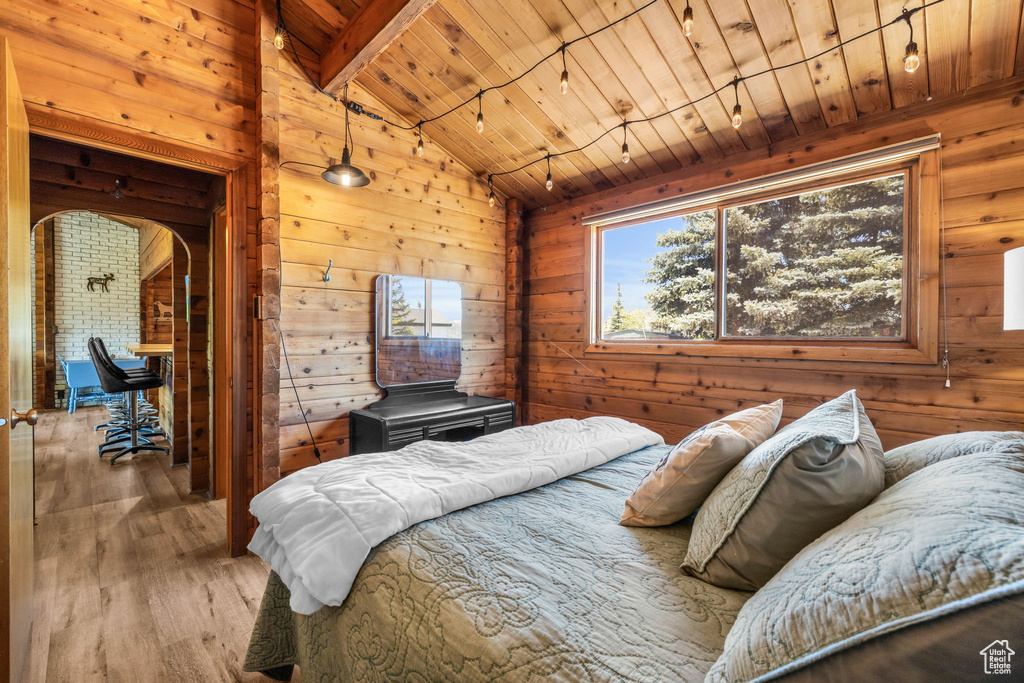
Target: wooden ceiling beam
(374, 27)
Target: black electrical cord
(905, 15)
(360, 110)
(284, 352)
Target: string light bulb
(688, 19)
(549, 184)
(625, 145)
(419, 141)
(279, 36)
(737, 111)
(912, 59)
(480, 112)
(563, 84)
(491, 199)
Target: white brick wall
(87, 245)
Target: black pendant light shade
(345, 174)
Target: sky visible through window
(446, 297)
(626, 252)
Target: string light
(491, 199)
(737, 111)
(279, 34)
(419, 141)
(549, 184)
(563, 85)
(911, 61)
(625, 145)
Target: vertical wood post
(514, 271)
(268, 252)
(180, 374)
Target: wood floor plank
(133, 577)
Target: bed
(543, 585)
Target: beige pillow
(681, 482)
(806, 479)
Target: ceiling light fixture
(345, 174)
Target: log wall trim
(981, 213)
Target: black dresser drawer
(440, 415)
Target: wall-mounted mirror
(419, 330)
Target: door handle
(30, 417)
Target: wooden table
(143, 350)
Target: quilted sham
(943, 541)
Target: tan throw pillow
(681, 482)
(806, 479)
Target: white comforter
(318, 525)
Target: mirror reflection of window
(428, 309)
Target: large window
(831, 262)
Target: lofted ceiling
(646, 65)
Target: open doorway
(122, 251)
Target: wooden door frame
(236, 170)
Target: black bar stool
(114, 380)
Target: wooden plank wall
(425, 217)
(156, 328)
(45, 359)
(983, 212)
(155, 250)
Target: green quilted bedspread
(544, 585)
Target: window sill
(874, 353)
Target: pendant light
(345, 174)
(491, 199)
(480, 112)
(549, 184)
(419, 141)
(688, 19)
(625, 145)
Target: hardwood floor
(133, 578)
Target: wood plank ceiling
(646, 65)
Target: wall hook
(327, 275)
